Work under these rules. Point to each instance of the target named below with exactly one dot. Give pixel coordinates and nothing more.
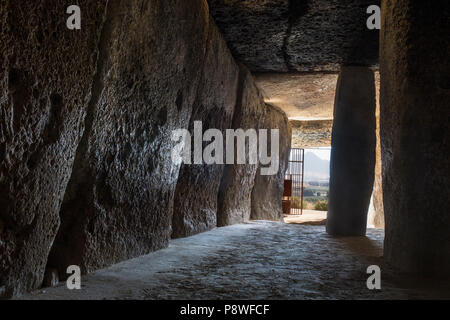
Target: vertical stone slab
(352, 153)
(46, 76)
(119, 200)
(195, 202)
(268, 189)
(415, 131)
(376, 211)
(238, 179)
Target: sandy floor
(259, 260)
(309, 217)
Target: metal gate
(293, 183)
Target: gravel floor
(258, 260)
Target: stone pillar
(376, 211)
(415, 131)
(352, 153)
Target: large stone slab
(353, 152)
(119, 200)
(311, 133)
(376, 211)
(46, 78)
(302, 96)
(268, 189)
(195, 204)
(297, 35)
(238, 179)
(415, 130)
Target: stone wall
(86, 175)
(415, 91)
(268, 190)
(119, 200)
(238, 179)
(195, 206)
(46, 87)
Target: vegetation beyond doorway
(307, 180)
(317, 179)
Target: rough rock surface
(353, 152)
(195, 203)
(268, 189)
(290, 35)
(301, 96)
(376, 211)
(47, 73)
(86, 127)
(377, 215)
(238, 179)
(311, 134)
(415, 91)
(119, 200)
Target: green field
(313, 194)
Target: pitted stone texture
(311, 134)
(297, 35)
(195, 204)
(238, 179)
(119, 201)
(45, 85)
(268, 189)
(415, 91)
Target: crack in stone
(297, 9)
(78, 173)
(96, 90)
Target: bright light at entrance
(317, 179)
(307, 181)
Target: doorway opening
(306, 186)
(317, 179)
(294, 182)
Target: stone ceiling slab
(300, 96)
(297, 35)
(311, 134)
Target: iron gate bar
(295, 173)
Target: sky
(322, 153)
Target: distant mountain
(316, 168)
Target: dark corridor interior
(154, 149)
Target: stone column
(353, 152)
(415, 131)
(376, 211)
